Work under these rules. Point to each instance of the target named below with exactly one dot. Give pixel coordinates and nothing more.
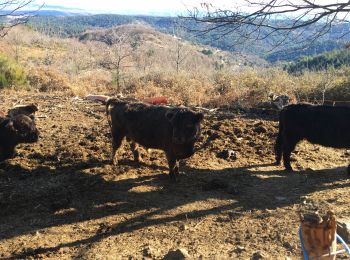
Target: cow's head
(186, 125)
(20, 129)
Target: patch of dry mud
(61, 198)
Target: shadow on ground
(30, 199)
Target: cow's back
(324, 125)
(144, 124)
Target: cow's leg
(135, 151)
(176, 168)
(173, 168)
(117, 139)
(288, 147)
(278, 148)
(7, 152)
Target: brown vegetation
(138, 61)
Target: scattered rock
(104, 228)
(257, 256)
(177, 254)
(288, 246)
(223, 219)
(227, 154)
(90, 137)
(343, 229)
(149, 251)
(259, 128)
(237, 131)
(183, 227)
(239, 249)
(213, 136)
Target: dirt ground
(61, 198)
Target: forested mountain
(72, 26)
(333, 59)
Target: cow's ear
(170, 115)
(34, 108)
(10, 127)
(198, 117)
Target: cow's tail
(279, 140)
(108, 112)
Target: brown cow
(16, 130)
(173, 130)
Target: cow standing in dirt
(173, 130)
(18, 126)
(324, 125)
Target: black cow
(173, 130)
(28, 110)
(15, 130)
(324, 125)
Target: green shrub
(11, 73)
(207, 52)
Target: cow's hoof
(277, 163)
(173, 178)
(288, 169)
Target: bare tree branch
(12, 13)
(259, 19)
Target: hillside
(75, 25)
(147, 37)
(139, 61)
(150, 62)
(328, 60)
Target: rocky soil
(61, 198)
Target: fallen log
(100, 98)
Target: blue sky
(168, 7)
(131, 6)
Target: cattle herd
(176, 129)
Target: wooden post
(319, 235)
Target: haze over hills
(61, 10)
(73, 25)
